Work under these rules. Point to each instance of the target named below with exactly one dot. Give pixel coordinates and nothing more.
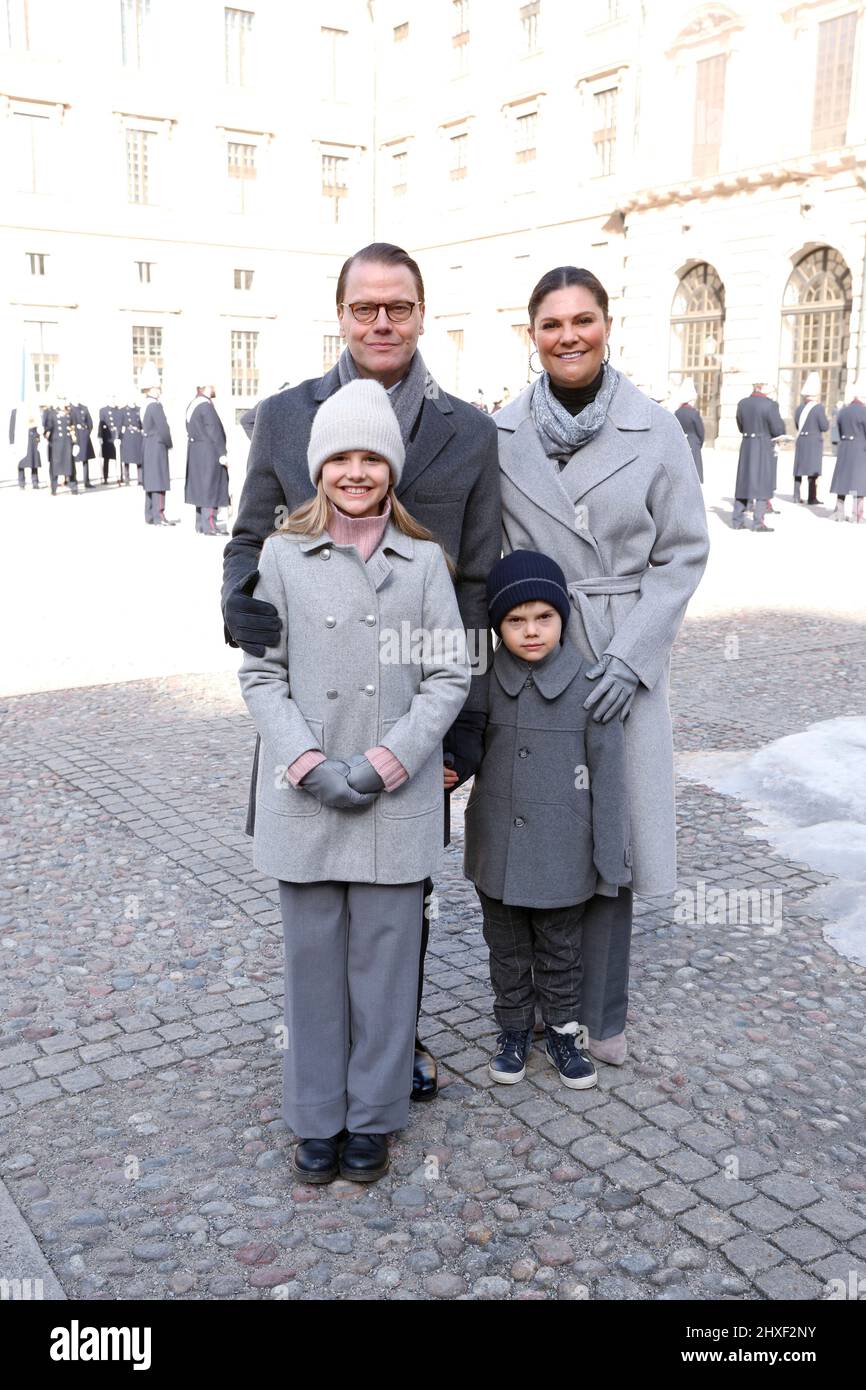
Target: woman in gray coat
(346, 710)
(600, 478)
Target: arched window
(816, 322)
(697, 332)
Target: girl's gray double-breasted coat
(625, 520)
(370, 654)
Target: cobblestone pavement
(140, 982)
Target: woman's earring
(536, 371)
(607, 351)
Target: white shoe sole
(583, 1083)
(506, 1078)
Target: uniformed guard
(849, 475)
(131, 442)
(24, 431)
(760, 424)
(108, 430)
(58, 429)
(811, 421)
(207, 476)
(691, 422)
(155, 474)
(82, 423)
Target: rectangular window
(135, 21)
(239, 37)
(604, 133)
(459, 155)
(530, 16)
(138, 146)
(332, 346)
(241, 172)
(245, 373)
(14, 24)
(399, 169)
(455, 339)
(146, 347)
(833, 74)
(401, 33)
(460, 36)
(33, 141)
(525, 136)
(41, 346)
(333, 43)
(244, 279)
(709, 112)
(37, 261)
(145, 271)
(334, 188)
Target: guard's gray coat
(632, 559)
(809, 448)
(131, 437)
(849, 475)
(58, 430)
(548, 812)
(692, 425)
(759, 422)
(155, 474)
(330, 685)
(82, 423)
(207, 480)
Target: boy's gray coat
(330, 685)
(548, 813)
(625, 520)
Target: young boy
(547, 820)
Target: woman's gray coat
(809, 448)
(625, 520)
(353, 671)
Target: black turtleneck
(574, 398)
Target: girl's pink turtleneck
(365, 533)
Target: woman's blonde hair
(311, 519)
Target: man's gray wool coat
(335, 683)
(625, 521)
(548, 813)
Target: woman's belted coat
(625, 520)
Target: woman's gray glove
(327, 783)
(363, 776)
(615, 690)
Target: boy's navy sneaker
(512, 1049)
(576, 1068)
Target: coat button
(369, 689)
(330, 621)
(326, 554)
(332, 694)
(370, 620)
(523, 752)
(528, 683)
(518, 821)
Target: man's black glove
(252, 623)
(463, 745)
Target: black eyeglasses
(398, 312)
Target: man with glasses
(450, 483)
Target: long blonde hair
(311, 519)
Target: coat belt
(594, 621)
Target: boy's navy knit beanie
(526, 576)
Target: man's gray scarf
(562, 434)
(406, 401)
